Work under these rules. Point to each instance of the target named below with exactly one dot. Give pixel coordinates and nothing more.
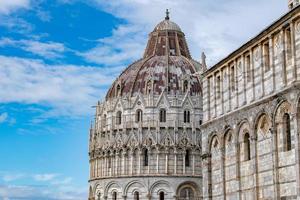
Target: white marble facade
(145, 142)
(169, 128)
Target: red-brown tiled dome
(166, 65)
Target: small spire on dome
(167, 15)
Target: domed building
(146, 140)
(152, 140)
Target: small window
(146, 157)
(186, 116)
(172, 46)
(161, 196)
(185, 86)
(186, 193)
(247, 148)
(187, 158)
(149, 87)
(287, 132)
(114, 196)
(99, 196)
(118, 91)
(136, 195)
(119, 118)
(162, 115)
(139, 116)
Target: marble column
(175, 161)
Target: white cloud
(3, 117)
(44, 177)
(215, 27)
(44, 15)
(12, 177)
(42, 192)
(68, 90)
(64, 181)
(44, 49)
(126, 44)
(8, 6)
(53, 187)
(15, 24)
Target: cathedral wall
(254, 153)
(250, 131)
(262, 67)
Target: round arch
(125, 191)
(243, 128)
(258, 118)
(214, 136)
(109, 185)
(283, 106)
(228, 130)
(160, 186)
(190, 186)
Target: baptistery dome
(146, 141)
(166, 65)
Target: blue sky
(57, 59)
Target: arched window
(186, 193)
(99, 196)
(161, 196)
(114, 197)
(162, 115)
(287, 132)
(119, 118)
(146, 159)
(139, 115)
(136, 195)
(187, 158)
(149, 87)
(247, 149)
(118, 91)
(185, 86)
(186, 116)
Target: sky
(58, 58)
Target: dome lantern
(167, 15)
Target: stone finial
(292, 4)
(203, 59)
